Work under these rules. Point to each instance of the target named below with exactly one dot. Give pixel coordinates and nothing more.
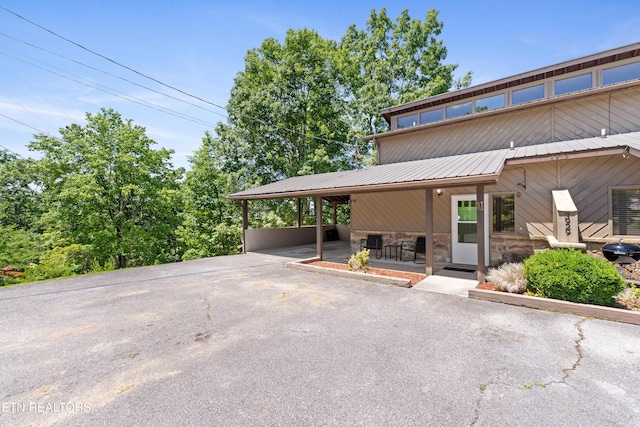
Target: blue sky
(199, 46)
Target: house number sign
(567, 224)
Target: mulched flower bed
(414, 277)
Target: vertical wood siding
(588, 181)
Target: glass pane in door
(467, 232)
(467, 210)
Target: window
(407, 121)
(528, 94)
(458, 110)
(490, 103)
(621, 74)
(431, 116)
(467, 221)
(504, 213)
(625, 211)
(573, 84)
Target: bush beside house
(570, 275)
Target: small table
(393, 247)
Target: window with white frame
(458, 110)
(407, 121)
(625, 211)
(622, 73)
(431, 116)
(527, 94)
(490, 103)
(573, 84)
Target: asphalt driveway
(241, 340)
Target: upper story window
(621, 73)
(527, 94)
(573, 84)
(490, 103)
(558, 85)
(625, 211)
(458, 110)
(431, 116)
(407, 121)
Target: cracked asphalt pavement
(241, 340)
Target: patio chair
(420, 247)
(372, 242)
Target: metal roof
(462, 169)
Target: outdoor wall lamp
(439, 192)
(625, 153)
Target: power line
(23, 124)
(10, 150)
(110, 91)
(263, 122)
(110, 74)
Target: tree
(19, 192)
(287, 106)
(391, 63)
(212, 224)
(104, 186)
(286, 116)
(298, 107)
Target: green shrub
(61, 262)
(359, 261)
(570, 275)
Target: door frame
(469, 254)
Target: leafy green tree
(104, 186)
(212, 224)
(18, 248)
(19, 192)
(391, 63)
(298, 106)
(286, 116)
(287, 107)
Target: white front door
(464, 229)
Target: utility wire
(23, 124)
(10, 150)
(263, 122)
(110, 74)
(102, 88)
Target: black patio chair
(372, 242)
(419, 248)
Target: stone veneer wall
(501, 249)
(513, 249)
(441, 243)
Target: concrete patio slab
(446, 285)
(445, 280)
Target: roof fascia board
(443, 182)
(567, 156)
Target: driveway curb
(303, 265)
(586, 310)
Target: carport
(474, 169)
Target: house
(493, 172)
